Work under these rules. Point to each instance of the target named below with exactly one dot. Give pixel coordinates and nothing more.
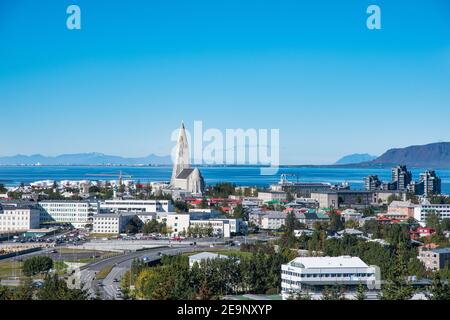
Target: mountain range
(93, 158)
(432, 156)
(356, 158)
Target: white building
(221, 228)
(204, 256)
(351, 214)
(111, 223)
(312, 274)
(77, 213)
(177, 222)
(272, 196)
(16, 217)
(137, 205)
(421, 212)
(273, 220)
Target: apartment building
(16, 217)
(435, 259)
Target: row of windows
(326, 275)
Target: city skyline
(123, 83)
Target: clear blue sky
(122, 83)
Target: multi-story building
(301, 189)
(313, 274)
(76, 213)
(429, 184)
(372, 183)
(421, 212)
(272, 196)
(16, 217)
(402, 208)
(220, 228)
(111, 223)
(137, 205)
(351, 214)
(177, 222)
(435, 259)
(311, 216)
(401, 177)
(273, 220)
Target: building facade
(111, 223)
(313, 274)
(18, 217)
(77, 213)
(137, 205)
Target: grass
(103, 273)
(9, 268)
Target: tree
(432, 221)
(333, 293)
(56, 289)
(336, 222)
(361, 292)
(133, 226)
(397, 286)
(36, 265)
(2, 188)
(439, 289)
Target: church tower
(181, 154)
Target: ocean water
(248, 176)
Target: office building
(313, 274)
(76, 213)
(111, 223)
(421, 212)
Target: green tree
(36, 265)
(439, 289)
(56, 289)
(361, 292)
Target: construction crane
(120, 175)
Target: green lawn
(10, 268)
(103, 273)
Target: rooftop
(206, 256)
(328, 262)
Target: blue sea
(244, 176)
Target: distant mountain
(356, 158)
(434, 155)
(84, 159)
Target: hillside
(434, 155)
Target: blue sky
(123, 83)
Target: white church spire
(181, 154)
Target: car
(118, 295)
(116, 280)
